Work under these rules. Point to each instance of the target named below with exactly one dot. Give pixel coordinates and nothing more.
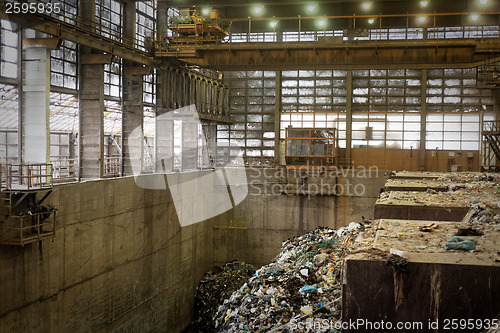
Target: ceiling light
(422, 19)
(311, 8)
(483, 2)
(273, 24)
(366, 5)
(321, 23)
(424, 3)
(371, 20)
(258, 10)
(205, 11)
(474, 17)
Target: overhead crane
(196, 41)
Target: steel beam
(423, 119)
(348, 130)
(277, 117)
(345, 55)
(44, 43)
(95, 59)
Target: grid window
(63, 66)
(313, 91)
(112, 117)
(453, 131)
(67, 10)
(386, 90)
(149, 88)
(8, 123)
(109, 15)
(253, 102)
(63, 112)
(8, 49)
(315, 120)
(8, 146)
(8, 106)
(145, 22)
(112, 78)
(454, 90)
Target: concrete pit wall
(255, 229)
(119, 262)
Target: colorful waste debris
(458, 243)
(302, 283)
(217, 285)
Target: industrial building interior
(226, 166)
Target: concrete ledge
(436, 284)
(415, 212)
(374, 292)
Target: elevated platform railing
(28, 177)
(491, 127)
(26, 229)
(65, 169)
(25, 220)
(112, 166)
(491, 144)
(426, 27)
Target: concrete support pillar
(132, 121)
(129, 22)
(91, 114)
(87, 9)
(161, 13)
(36, 102)
(423, 119)
(277, 117)
(91, 105)
(20, 94)
(348, 130)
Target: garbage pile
(302, 284)
(214, 288)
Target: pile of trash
(301, 285)
(214, 288)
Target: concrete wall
(119, 262)
(255, 229)
(407, 159)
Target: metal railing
(112, 166)
(413, 27)
(26, 229)
(66, 168)
(491, 143)
(491, 126)
(28, 177)
(488, 75)
(367, 34)
(425, 26)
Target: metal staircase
(488, 75)
(23, 218)
(491, 145)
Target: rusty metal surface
(371, 54)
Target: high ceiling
(286, 8)
(280, 8)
